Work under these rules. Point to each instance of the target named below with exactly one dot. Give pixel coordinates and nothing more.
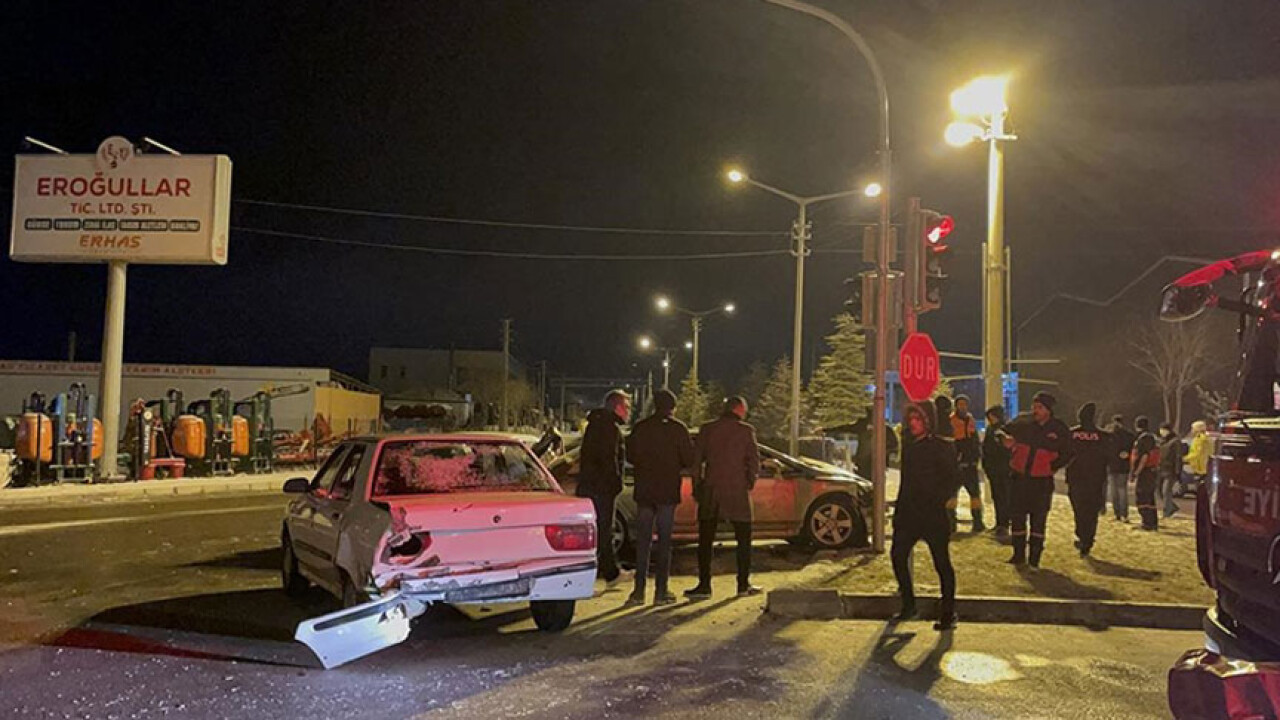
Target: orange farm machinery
(59, 440)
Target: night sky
(1147, 127)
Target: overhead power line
(512, 254)
(510, 224)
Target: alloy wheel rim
(831, 524)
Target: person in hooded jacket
(1170, 470)
(1041, 445)
(600, 477)
(1087, 475)
(1122, 439)
(964, 432)
(995, 463)
(929, 480)
(659, 448)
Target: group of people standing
(725, 461)
(942, 451)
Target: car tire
(620, 535)
(295, 585)
(832, 523)
(552, 615)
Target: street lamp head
(982, 97)
(736, 176)
(645, 342)
(662, 302)
(688, 344)
(873, 190)
(960, 134)
(730, 308)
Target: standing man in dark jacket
(725, 466)
(1122, 439)
(920, 512)
(660, 449)
(1143, 472)
(964, 432)
(1087, 475)
(995, 463)
(1041, 445)
(1170, 468)
(600, 478)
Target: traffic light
(935, 227)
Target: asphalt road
(171, 609)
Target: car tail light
(571, 537)
(404, 548)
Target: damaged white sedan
(393, 524)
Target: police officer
(1087, 475)
(928, 481)
(964, 432)
(1143, 469)
(1041, 445)
(995, 463)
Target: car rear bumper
(564, 582)
(1231, 677)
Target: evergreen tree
(691, 406)
(772, 413)
(838, 388)
(752, 384)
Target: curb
(830, 604)
(12, 498)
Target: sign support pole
(112, 367)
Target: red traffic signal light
(938, 227)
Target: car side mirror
(770, 468)
(297, 486)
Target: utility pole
(800, 234)
(542, 388)
(506, 372)
(697, 333)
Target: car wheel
(552, 615)
(620, 536)
(295, 585)
(832, 523)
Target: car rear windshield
(422, 467)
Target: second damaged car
(391, 525)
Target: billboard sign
(119, 205)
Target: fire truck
(1237, 672)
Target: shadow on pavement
(879, 682)
(264, 559)
(1110, 569)
(1051, 583)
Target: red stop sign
(918, 367)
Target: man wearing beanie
(1041, 445)
(1087, 475)
(660, 449)
(1144, 460)
(964, 431)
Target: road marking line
(41, 527)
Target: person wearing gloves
(1040, 445)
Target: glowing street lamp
(984, 107)
(647, 344)
(873, 190)
(664, 304)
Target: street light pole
(880, 458)
(800, 236)
(993, 344)
(697, 334)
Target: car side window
(324, 478)
(346, 477)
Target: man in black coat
(659, 448)
(995, 463)
(600, 477)
(1041, 445)
(1122, 439)
(1087, 475)
(1143, 472)
(929, 480)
